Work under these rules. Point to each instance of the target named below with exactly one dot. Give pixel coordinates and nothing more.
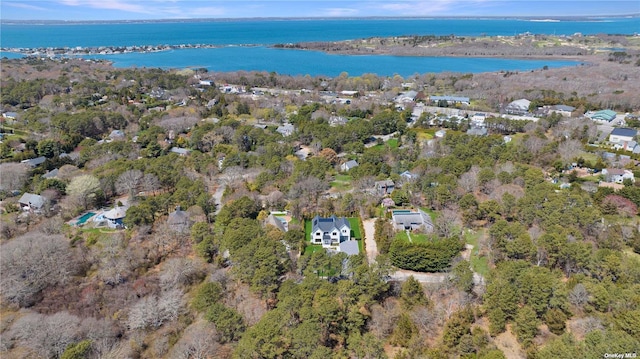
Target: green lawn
(415, 237)
(356, 233)
(392, 143)
(433, 214)
(342, 182)
(311, 248)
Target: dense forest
(524, 256)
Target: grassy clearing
(433, 214)
(312, 248)
(415, 237)
(392, 143)
(342, 182)
(479, 263)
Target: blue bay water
(269, 32)
(315, 63)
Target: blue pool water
(85, 217)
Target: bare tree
(129, 182)
(579, 295)
(12, 176)
(46, 336)
(150, 183)
(154, 310)
(469, 180)
(32, 263)
(199, 341)
(447, 224)
(181, 271)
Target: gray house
(34, 162)
(404, 219)
(384, 187)
(178, 221)
(31, 202)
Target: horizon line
(280, 18)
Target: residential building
(34, 162)
(617, 175)
(404, 219)
(451, 100)
(51, 174)
(605, 116)
(285, 130)
(178, 221)
(115, 217)
(440, 133)
(278, 222)
(621, 135)
(518, 107)
(348, 165)
(563, 110)
(31, 202)
(477, 120)
(330, 232)
(384, 187)
(477, 131)
(180, 151)
(408, 175)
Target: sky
(78, 10)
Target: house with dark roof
(563, 110)
(384, 187)
(621, 135)
(31, 202)
(330, 232)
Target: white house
(518, 107)
(621, 135)
(477, 120)
(348, 165)
(617, 175)
(440, 133)
(330, 232)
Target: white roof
(116, 213)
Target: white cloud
(338, 11)
(110, 5)
(24, 6)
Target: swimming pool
(84, 218)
